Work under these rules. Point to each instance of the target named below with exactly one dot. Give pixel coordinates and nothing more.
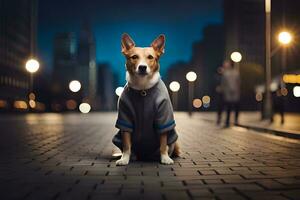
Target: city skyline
(181, 28)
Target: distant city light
(3, 103)
(296, 91)
(191, 76)
(32, 65)
(284, 37)
(206, 99)
(74, 86)
(71, 104)
(174, 86)
(32, 103)
(84, 108)
(119, 91)
(258, 97)
(197, 103)
(236, 57)
(273, 86)
(291, 78)
(20, 105)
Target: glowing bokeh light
(197, 103)
(191, 76)
(71, 104)
(119, 91)
(296, 91)
(74, 86)
(236, 57)
(174, 86)
(284, 37)
(206, 99)
(84, 108)
(32, 65)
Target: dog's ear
(159, 44)
(126, 42)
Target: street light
(191, 77)
(285, 37)
(174, 87)
(236, 57)
(32, 66)
(74, 86)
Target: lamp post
(268, 101)
(236, 57)
(174, 87)
(191, 77)
(32, 66)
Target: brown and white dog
(142, 65)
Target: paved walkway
(53, 156)
(253, 120)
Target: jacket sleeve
(125, 119)
(164, 117)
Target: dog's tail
(176, 152)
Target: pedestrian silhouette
(219, 94)
(230, 86)
(278, 104)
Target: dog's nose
(142, 68)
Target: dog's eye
(134, 57)
(150, 57)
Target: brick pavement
(52, 156)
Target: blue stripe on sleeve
(159, 127)
(124, 123)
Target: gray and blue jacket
(145, 114)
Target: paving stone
(68, 157)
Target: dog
(145, 114)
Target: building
(176, 72)
(244, 23)
(207, 56)
(87, 70)
(64, 68)
(106, 86)
(74, 59)
(17, 44)
(65, 61)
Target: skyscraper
(87, 63)
(105, 87)
(64, 62)
(17, 44)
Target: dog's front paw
(166, 160)
(122, 161)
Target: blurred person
(219, 95)
(278, 104)
(230, 85)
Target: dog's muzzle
(142, 69)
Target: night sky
(181, 21)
